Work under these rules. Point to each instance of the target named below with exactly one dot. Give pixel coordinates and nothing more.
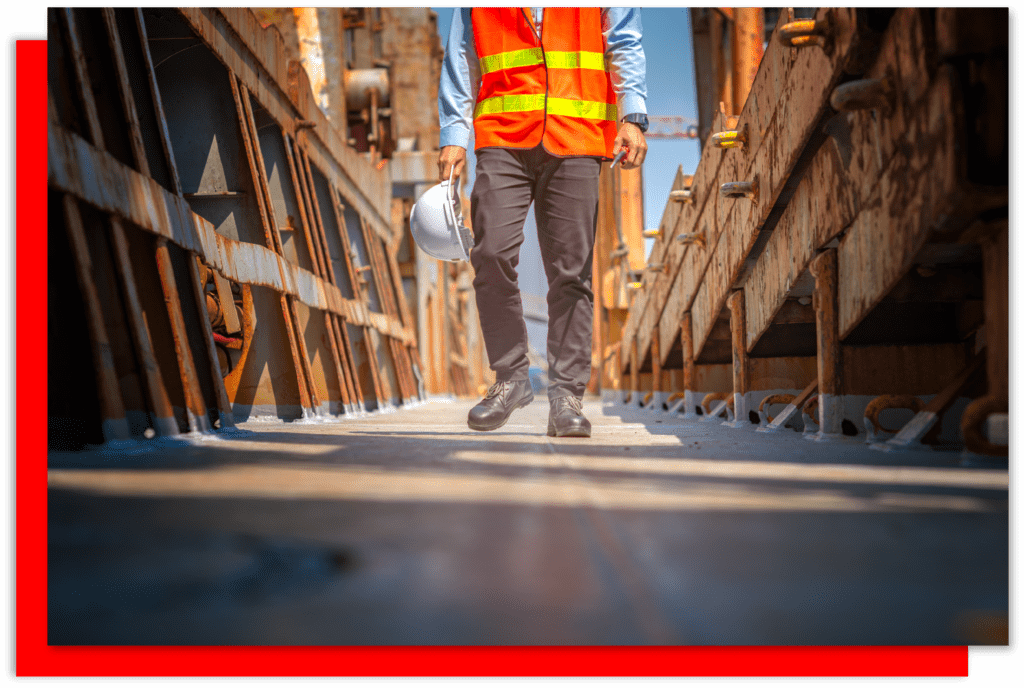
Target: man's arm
(457, 94)
(622, 33)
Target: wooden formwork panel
(778, 120)
(920, 189)
(799, 100)
(811, 220)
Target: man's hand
(630, 137)
(451, 156)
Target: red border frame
(35, 658)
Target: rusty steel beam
(82, 78)
(195, 405)
(112, 414)
(164, 423)
(225, 414)
(305, 217)
(125, 89)
(158, 106)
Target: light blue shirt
(460, 72)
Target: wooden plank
(649, 303)
(812, 219)
(799, 105)
(920, 189)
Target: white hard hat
(437, 224)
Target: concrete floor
(409, 528)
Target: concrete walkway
(409, 528)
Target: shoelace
(575, 404)
(498, 388)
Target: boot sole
(576, 432)
(480, 428)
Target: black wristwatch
(638, 119)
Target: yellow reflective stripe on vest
(575, 60)
(514, 58)
(586, 109)
(536, 56)
(517, 103)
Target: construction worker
(550, 93)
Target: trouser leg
(566, 210)
(499, 203)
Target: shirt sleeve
(460, 80)
(622, 33)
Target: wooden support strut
(656, 383)
(689, 366)
(825, 270)
(740, 362)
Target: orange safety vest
(554, 89)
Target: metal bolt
(864, 94)
(739, 189)
(693, 238)
(652, 233)
(806, 32)
(681, 195)
(729, 139)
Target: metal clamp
(763, 418)
(726, 397)
(652, 233)
(878, 432)
(806, 32)
(740, 189)
(729, 139)
(971, 423)
(864, 94)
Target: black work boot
(567, 419)
(502, 399)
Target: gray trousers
(564, 191)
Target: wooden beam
(825, 269)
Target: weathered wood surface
(919, 189)
(810, 221)
(657, 285)
(785, 104)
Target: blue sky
(671, 90)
